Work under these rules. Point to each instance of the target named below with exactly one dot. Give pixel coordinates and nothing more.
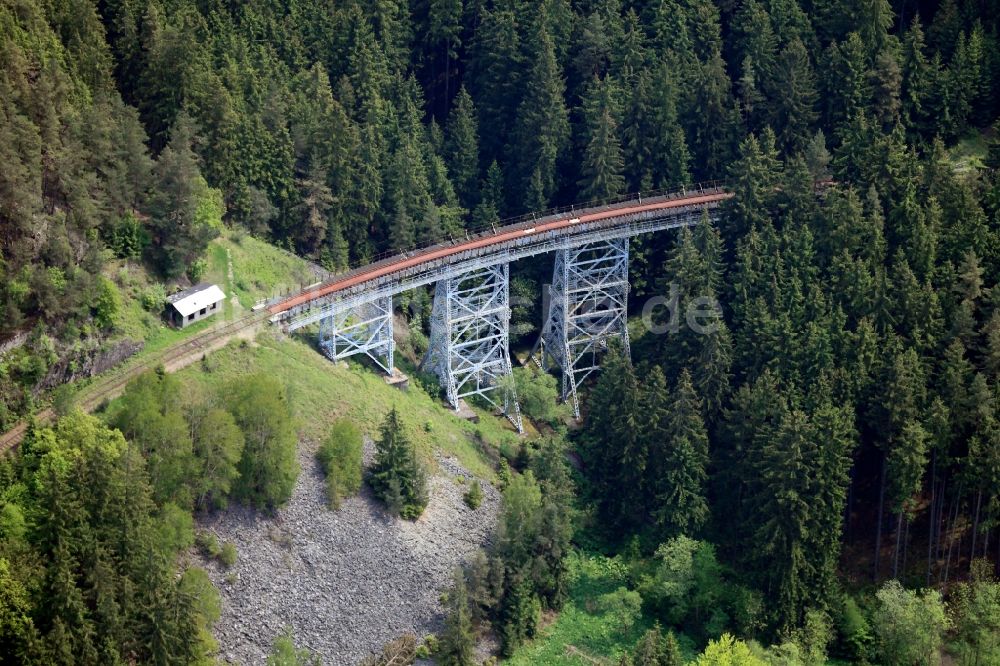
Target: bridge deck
(531, 235)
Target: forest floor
(969, 154)
(347, 581)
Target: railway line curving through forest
(111, 385)
(528, 228)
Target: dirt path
(173, 358)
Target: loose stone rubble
(345, 581)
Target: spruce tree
(845, 80)
(781, 537)
(313, 211)
(793, 98)
(458, 643)
(753, 176)
(614, 449)
(541, 130)
(670, 655)
(179, 236)
(397, 477)
(755, 39)
(712, 117)
(671, 157)
(496, 74)
(491, 202)
(519, 614)
(443, 38)
(916, 79)
(649, 649)
(636, 129)
(602, 164)
(875, 18)
(462, 149)
(680, 491)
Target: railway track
(555, 220)
(110, 386)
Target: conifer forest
(811, 479)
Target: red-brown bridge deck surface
(501, 236)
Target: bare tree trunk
(906, 540)
(942, 517)
(975, 526)
(847, 509)
(899, 536)
(958, 556)
(951, 530)
(931, 516)
(878, 527)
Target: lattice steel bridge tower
(588, 304)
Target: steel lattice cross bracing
(470, 339)
(469, 326)
(363, 328)
(409, 271)
(588, 304)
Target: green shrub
(228, 554)
(63, 399)
(474, 496)
(127, 238)
(12, 522)
(175, 529)
(208, 544)
(340, 457)
(334, 492)
(284, 652)
(909, 624)
(269, 465)
(153, 298)
(431, 643)
(503, 475)
(855, 630)
(537, 393)
(196, 270)
(108, 303)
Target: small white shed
(202, 300)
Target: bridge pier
(588, 304)
(363, 328)
(470, 338)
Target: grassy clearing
(320, 392)
(599, 622)
(134, 321)
(970, 153)
(261, 270)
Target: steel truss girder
(360, 328)
(470, 338)
(588, 304)
(432, 271)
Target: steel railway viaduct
(469, 322)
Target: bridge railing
(493, 228)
